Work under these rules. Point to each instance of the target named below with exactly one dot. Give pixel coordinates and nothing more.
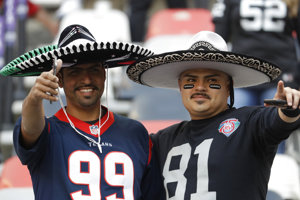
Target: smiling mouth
(86, 90)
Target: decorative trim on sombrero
(203, 45)
(135, 71)
(41, 59)
(76, 45)
(24, 61)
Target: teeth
(86, 90)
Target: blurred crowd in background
(255, 27)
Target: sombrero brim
(41, 59)
(163, 70)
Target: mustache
(201, 94)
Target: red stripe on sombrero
(127, 63)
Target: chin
(89, 103)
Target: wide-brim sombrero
(208, 50)
(76, 45)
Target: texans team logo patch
(228, 126)
(94, 130)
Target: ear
(179, 84)
(104, 72)
(228, 86)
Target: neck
(85, 114)
(207, 115)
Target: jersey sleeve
(271, 128)
(297, 25)
(152, 183)
(32, 9)
(221, 18)
(297, 35)
(32, 155)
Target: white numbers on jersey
(263, 15)
(177, 175)
(92, 176)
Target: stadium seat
(170, 29)
(179, 21)
(14, 174)
(284, 178)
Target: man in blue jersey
(222, 152)
(84, 151)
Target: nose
(200, 85)
(86, 77)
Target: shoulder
(258, 115)
(248, 110)
(128, 123)
(173, 129)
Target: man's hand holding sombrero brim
(46, 85)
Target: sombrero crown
(76, 45)
(207, 50)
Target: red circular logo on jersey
(228, 126)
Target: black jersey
(225, 157)
(260, 28)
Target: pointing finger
(280, 87)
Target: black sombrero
(208, 50)
(76, 45)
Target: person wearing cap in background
(84, 151)
(222, 152)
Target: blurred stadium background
(167, 29)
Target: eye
(212, 80)
(190, 80)
(73, 72)
(95, 70)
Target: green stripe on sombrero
(6, 71)
(12, 69)
(28, 74)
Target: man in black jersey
(222, 153)
(265, 29)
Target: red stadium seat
(153, 126)
(179, 21)
(14, 174)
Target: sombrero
(207, 50)
(76, 45)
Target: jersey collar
(84, 126)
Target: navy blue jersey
(260, 28)
(225, 157)
(65, 165)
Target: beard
(88, 99)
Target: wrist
(291, 112)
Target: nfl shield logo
(94, 130)
(228, 126)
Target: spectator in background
(262, 28)
(40, 14)
(138, 14)
(68, 6)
